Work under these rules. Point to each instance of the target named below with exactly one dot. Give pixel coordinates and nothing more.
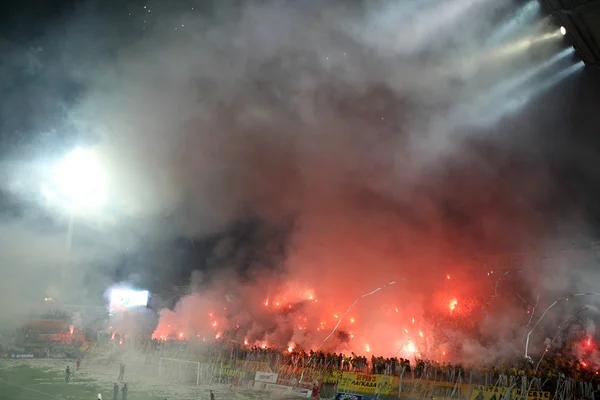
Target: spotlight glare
(563, 30)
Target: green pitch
(22, 382)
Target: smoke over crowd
(365, 135)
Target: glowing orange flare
(452, 305)
(297, 321)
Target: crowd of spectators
(546, 375)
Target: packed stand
(551, 369)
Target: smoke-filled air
(375, 154)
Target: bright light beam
(519, 45)
(518, 81)
(508, 28)
(563, 30)
(511, 49)
(472, 113)
(519, 102)
(431, 23)
(553, 80)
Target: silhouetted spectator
(121, 372)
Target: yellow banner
(362, 383)
(331, 376)
(495, 393)
(424, 389)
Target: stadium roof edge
(581, 19)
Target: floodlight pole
(68, 245)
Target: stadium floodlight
(78, 181)
(77, 184)
(563, 30)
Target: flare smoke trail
(295, 155)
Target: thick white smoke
(343, 125)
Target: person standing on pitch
(115, 392)
(121, 372)
(68, 374)
(124, 391)
(212, 395)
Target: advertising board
(348, 396)
(266, 377)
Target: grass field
(23, 382)
(45, 379)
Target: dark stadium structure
(581, 19)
